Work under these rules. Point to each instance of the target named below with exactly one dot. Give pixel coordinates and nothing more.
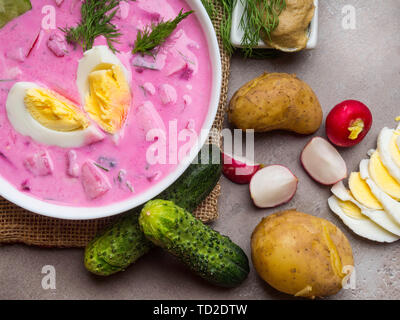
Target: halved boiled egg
(357, 210)
(104, 86)
(350, 214)
(389, 151)
(362, 193)
(381, 176)
(390, 205)
(49, 118)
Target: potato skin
(300, 254)
(276, 101)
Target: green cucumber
(206, 252)
(119, 245)
(10, 9)
(122, 243)
(196, 183)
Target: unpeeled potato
(276, 101)
(300, 254)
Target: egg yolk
(110, 97)
(361, 192)
(351, 210)
(53, 111)
(382, 177)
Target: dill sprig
(226, 24)
(96, 17)
(157, 34)
(226, 21)
(209, 6)
(253, 22)
(260, 17)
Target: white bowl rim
(68, 212)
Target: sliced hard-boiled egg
(104, 86)
(362, 193)
(364, 227)
(357, 210)
(390, 205)
(389, 151)
(381, 176)
(49, 118)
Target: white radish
(272, 186)
(323, 162)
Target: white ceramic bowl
(21, 199)
(237, 31)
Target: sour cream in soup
(58, 142)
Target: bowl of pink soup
(92, 133)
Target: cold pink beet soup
(177, 83)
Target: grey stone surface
(363, 64)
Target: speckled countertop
(361, 63)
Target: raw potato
(276, 101)
(300, 254)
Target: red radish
(238, 169)
(348, 123)
(272, 186)
(323, 162)
(36, 41)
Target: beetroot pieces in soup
(94, 182)
(43, 57)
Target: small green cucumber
(206, 252)
(117, 246)
(122, 243)
(10, 9)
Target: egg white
(384, 139)
(91, 59)
(362, 227)
(380, 217)
(390, 205)
(25, 124)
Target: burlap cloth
(20, 226)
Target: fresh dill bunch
(226, 24)
(209, 6)
(226, 21)
(96, 17)
(260, 17)
(156, 35)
